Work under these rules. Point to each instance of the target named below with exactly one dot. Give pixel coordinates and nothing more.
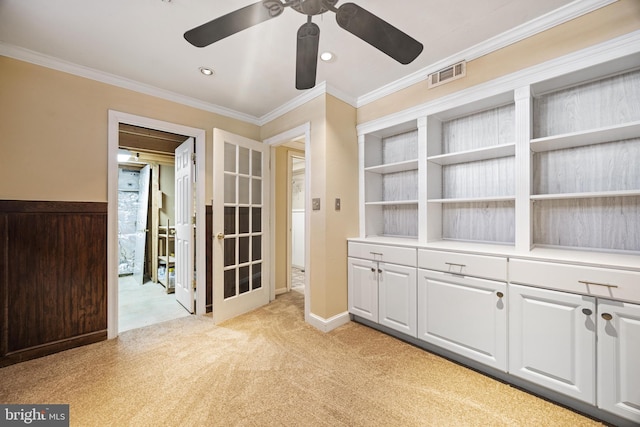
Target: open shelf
(474, 199)
(392, 202)
(586, 195)
(584, 138)
(486, 153)
(404, 166)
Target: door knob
(220, 236)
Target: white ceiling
(142, 41)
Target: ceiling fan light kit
(349, 16)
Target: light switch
(315, 204)
(337, 204)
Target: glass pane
(256, 191)
(256, 279)
(243, 190)
(243, 221)
(243, 160)
(243, 253)
(229, 157)
(256, 220)
(244, 279)
(229, 252)
(230, 283)
(256, 163)
(256, 251)
(229, 188)
(229, 220)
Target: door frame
(114, 120)
(274, 141)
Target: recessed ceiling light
(206, 71)
(326, 56)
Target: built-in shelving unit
(585, 174)
(390, 175)
(470, 172)
(166, 259)
(522, 201)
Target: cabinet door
(619, 358)
(363, 288)
(552, 338)
(465, 315)
(397, 297)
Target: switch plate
(337, 204)
(315, 204)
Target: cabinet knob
(607, 316)
(379, 271)
(499, 294)
(373, 270)
(587, 311)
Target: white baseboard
(326, 325)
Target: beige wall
(54, 131)
(601, 25)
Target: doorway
(299, 140)
(146, 227)
(116, 119)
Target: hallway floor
(143, 305)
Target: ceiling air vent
(448, 74)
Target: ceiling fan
(351, 17)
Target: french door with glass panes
(240, 225)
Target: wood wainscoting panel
(53, 278)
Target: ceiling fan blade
(233, 22)
(307, 55)
(378, 33)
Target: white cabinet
(465, 315)
(552, 338)
(619, 358)
(397, 297)
(380, 289)
(363, 288)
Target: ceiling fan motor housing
(312, 7)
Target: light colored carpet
(269, 368)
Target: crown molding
(559, 16)
(37, 58)
(319, 89)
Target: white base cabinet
(619, 358)
(552, 337)
(465, 315)
(397, 298)
(381, 291)
(363, 288)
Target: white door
(398, 298)
(240, 225)
(184, 239)
(619, 358)
(141, 225)
(552, 340)
(363, 288)
(465, 315)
